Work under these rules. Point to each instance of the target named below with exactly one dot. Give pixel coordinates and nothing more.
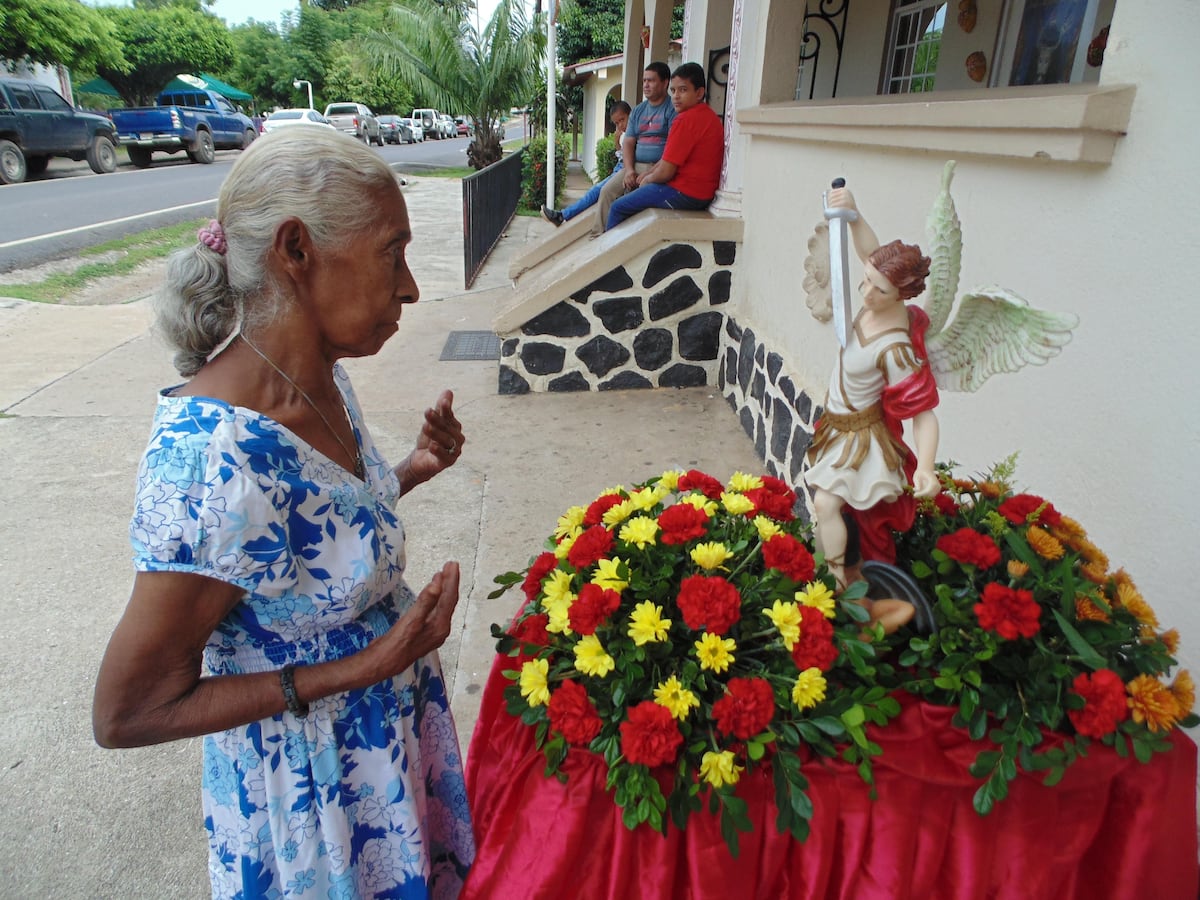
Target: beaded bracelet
(287, 681)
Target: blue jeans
(588, 200)
(650, 196)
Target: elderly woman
(269, 611)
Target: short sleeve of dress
(200, 506)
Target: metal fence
(490, 198)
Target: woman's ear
(292, 247)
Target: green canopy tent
(191, 82)
(98, 86)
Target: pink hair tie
(212, 236)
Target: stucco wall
(1110, 429)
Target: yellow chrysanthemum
(675, 697)
(817, 595)
(640, 530)
(767, 528)
(557, 585)
(1017, 569)
(1128, 597)
(1043, 543)
(564, 546)
(534, 686)
(786, 617)
(1184, 691)
(809, 689)
(1152, 703)
(615, 515)
(607, 577)
(1170, 640)
(591, 658)
(569, 521)
(647, 625)
(1087, 611)
(701, 502)
(718, 768)
(742, 482)
(670, 479)
(736, 504)
(710, 555)
(644, 499)
(715, 652)
(558, 610)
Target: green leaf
(983, 801)
(920, 569)
(853, 717)
(754, 750)
(1054, 776)
(984, 763)
(1142, 751)
(829, 725)
(1087, 653)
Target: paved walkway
(77, 390)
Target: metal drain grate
(464, 345)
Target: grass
(448, 172)
(135, 249)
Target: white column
(728, 201)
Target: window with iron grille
(914, 39)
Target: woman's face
(877, 292)
(359, 291)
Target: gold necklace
(354, 455)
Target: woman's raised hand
(439, 445)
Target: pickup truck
(36, 123)
(355, 120)
(197, 121)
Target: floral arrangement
(1034, 635)
(684, 631)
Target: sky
(235, 12)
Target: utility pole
(551, 112)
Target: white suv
(430, 122)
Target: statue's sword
(839, 263)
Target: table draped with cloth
(1112, 828)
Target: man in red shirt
(687, 175)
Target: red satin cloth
(1112, 828)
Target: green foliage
(437, 51)
(58, 31)
(589, 29)
(262, 65)
(533, 170)
(349, 78)
(160, 43)
(606, 156)
(925, 62)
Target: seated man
(687, 175)
(619, 116)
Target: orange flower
(1184, 692)
(1128, 597)
(1043, 544)
(1095, 574)
(1092, 554)
(1152, 703)
(965, 484)
(1068, 528)
(991, 490)
(1017, 569)
(1087, 611)
(1170, 640)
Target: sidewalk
(77, 390)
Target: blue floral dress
(364, 796)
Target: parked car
(36, 123)
(418, 132)
(462, 125)
(448, 128)
(429, 120)
(285, 118)
(394, 130)
(356, 120)
(198, 121)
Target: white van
(429, 121)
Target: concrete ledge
(583, 261)
(1066, 123)
(562, 237)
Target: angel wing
(819, 295)
(945, 254)
(995, 331)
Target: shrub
(533, 170)
(606, 156)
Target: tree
(590, 29)
(442, 56)
(160, 43)
(349, 79)
(58, 31)
(260, 54)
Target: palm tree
(441, 55)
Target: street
(69, 208)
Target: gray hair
(319, 176)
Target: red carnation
(532, 630)
(946, 505)
(695, 480)
(572, 714)
(591, 608)
(1010, 613)
(1018, 508)
(789, 556)
(747, 709)
(681, 523)
(969, 546)
(542, 566)
(815, 647)
(1104, 707)
(709, 602)
(601, 505)
(590, 547)
(650, 735)
(774, 499)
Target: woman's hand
(419, 631)
(439, 445)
